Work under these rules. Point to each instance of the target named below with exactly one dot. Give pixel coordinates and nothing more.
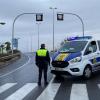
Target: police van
(79, 56)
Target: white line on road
(16, 69)
(22, 92)
(79, 92)
(6, 86)
(50, 92)
(99, 86)
(52, 79)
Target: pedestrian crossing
(22, 92)
(50, 92)
(6, 87)
(78, 91)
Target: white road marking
(79, 92)
(6, 86)
(50, 92)
(16, 69)
(52, 79)
(99, 86)
(22, 92)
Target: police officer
(42, 61)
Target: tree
(1, 46)
(8, 47)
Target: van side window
(92, 47)
(99, 44)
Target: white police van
(78, 56)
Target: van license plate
(59, 69)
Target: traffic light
(60, 17)
(39, 17)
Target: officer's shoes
(39, 83)
(46, 83)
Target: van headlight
(77, 59)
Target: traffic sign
(15, 42)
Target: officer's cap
(42, 45)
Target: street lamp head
(52, 8)
(2, 23)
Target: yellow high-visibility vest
(42, 52)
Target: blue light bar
(78, 38)
(71, 38)
(85, 37)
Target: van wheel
(87, 72)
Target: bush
(14, 51)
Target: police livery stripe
(61, 56)
(95, 60)
(65, 56)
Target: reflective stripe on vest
(42, 52)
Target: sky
(26, 28)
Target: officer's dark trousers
(42, 68)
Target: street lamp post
(31, 36)
(1, 23)
(38, 34)
(40, 19)
(53, 9)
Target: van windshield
(73, 46)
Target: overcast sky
(26, 27)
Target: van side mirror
(93, 43)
